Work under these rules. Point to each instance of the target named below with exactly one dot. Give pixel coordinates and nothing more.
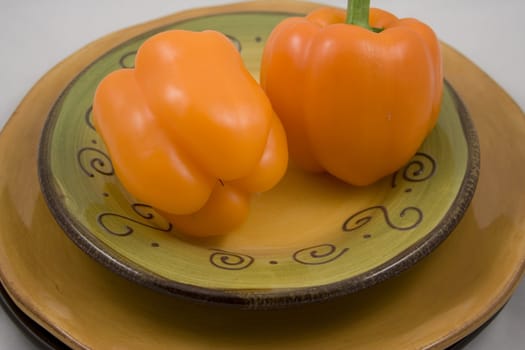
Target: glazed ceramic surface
(310, 238)
(447, 295)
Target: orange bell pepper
(356, 99)
(191, 137)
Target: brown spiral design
(88, 117)
(364, 216)
(421, 168)
(92, 160)
(318, 255)
(142, 210)
(124, 61)
(230, 261)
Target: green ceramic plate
(310, 238)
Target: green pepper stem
(358, 13)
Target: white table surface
(35, 35)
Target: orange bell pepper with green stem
(191, 137)
(357, 91)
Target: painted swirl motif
(128, 60)
(230, 261)
(142, 210)
(318, 255)
(88, 117)
(421, 168)
(92, 160)
(364, 216)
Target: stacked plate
(318, 262)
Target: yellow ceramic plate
(310, 238)
(438, 301)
